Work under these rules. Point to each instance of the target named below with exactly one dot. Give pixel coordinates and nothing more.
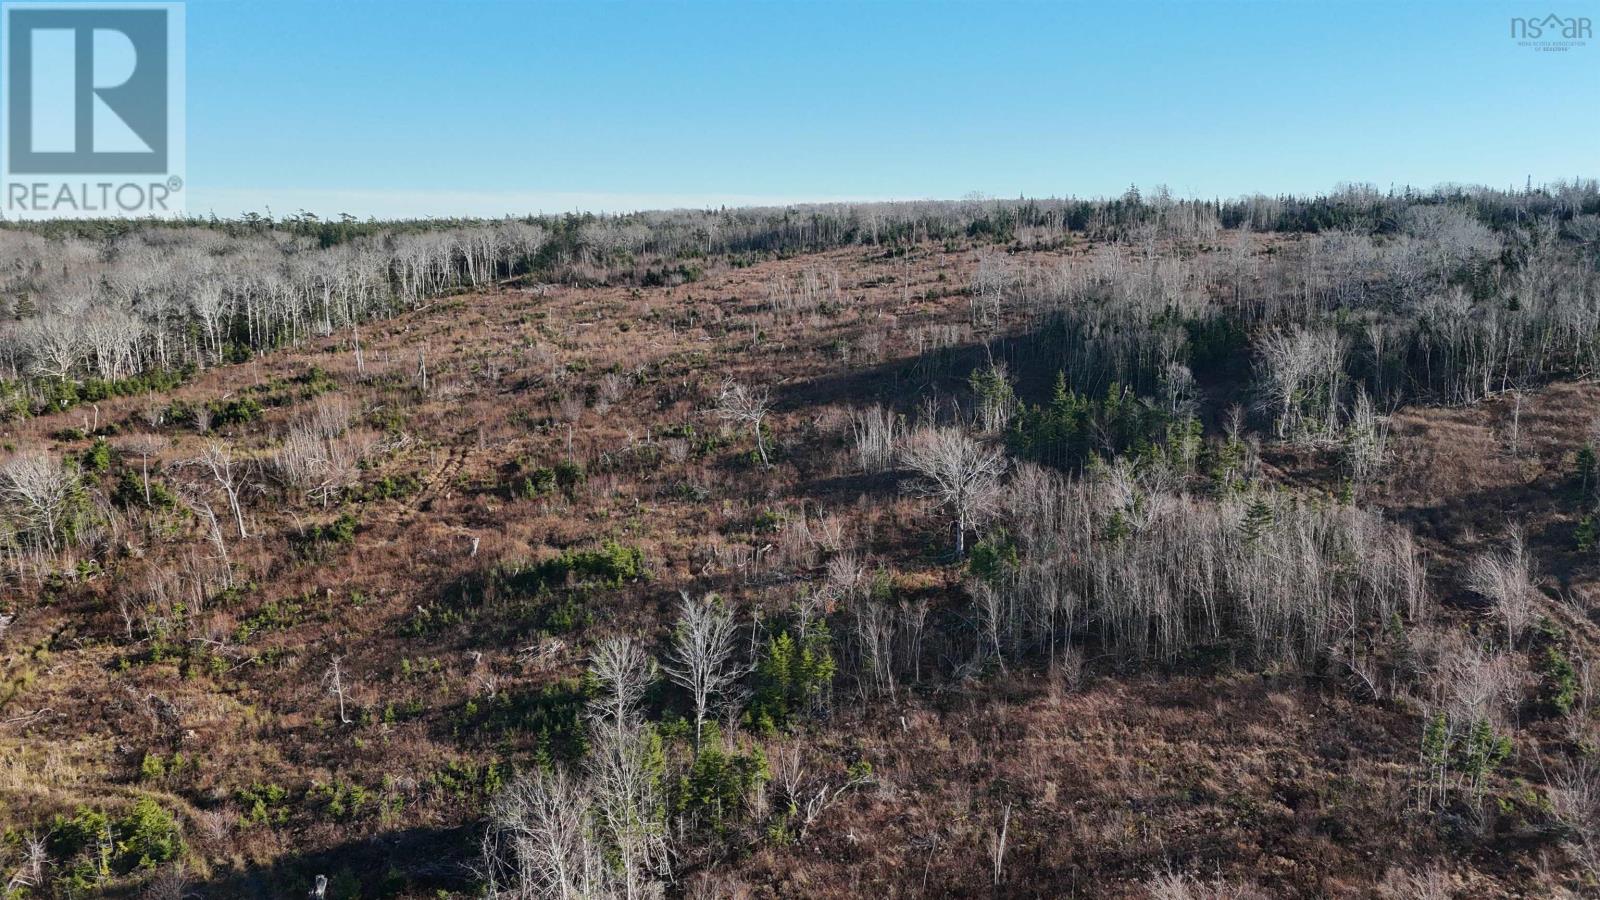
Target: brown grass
(1282, 783)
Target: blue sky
(477, 107)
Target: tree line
(1458, 291)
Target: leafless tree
(1506, 578)
(539, 844)
(623, 673)
(598, 832)
(1450, 236)
(875, 630)
(145, 446)
(877, 434)
(1300, 371)
(1575, 800)
(36, 490)
(994, 615)
(1184, 569)
(321, 456)
(991, 280)
(209, 305)
(1518, 398)
(195, 499)
(997, 849)
(112, 335)
(746, 406)
(333, 678)
(29, 873)
(1178, 390)
(172, 882)
(808, 792)
(958, 472)
(626, 792)
(55, 343)
(1366, 439)
(701, 659)
(228, 474)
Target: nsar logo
(1552, 32)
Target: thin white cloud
(382, 204)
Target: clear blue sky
(478, 107)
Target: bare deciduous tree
(112, 335)
(333, 678)
(194, 498)
(809, 793)
(626, 791)
(36, 490)
(621, 776)
(146, 446)
(539, 843)
(877, 433)
(599, 833)
(321, 457)
(55, 343)
(1506, 578)
(1575, 800)
(623, 673)
(1366, 439)
(702, 655)
(747, 406)
(1153, 571)
(1300, 371)
(958, 472)
(29, 873)
(991, 280)
(218, 460)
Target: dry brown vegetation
(342, 635)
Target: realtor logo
(93, 108)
